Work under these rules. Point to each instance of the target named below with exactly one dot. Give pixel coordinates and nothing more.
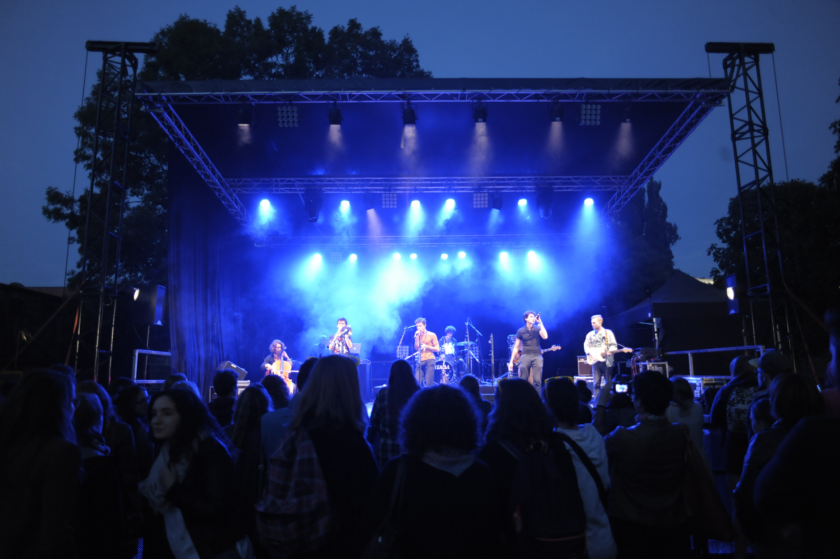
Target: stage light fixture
(503, 256)
(590, 115)
(397, 256)
(334, 115)
(462, 254)
(733, 293)
(518, 252)
(316, 257)
(413, 256)
(415, 205)
(497, 201)
(246, 115)
(545, 196)
(265, 206)
(627, 113)
(449, 205)
(287, 116)
(532, 254)
(345, 205)
(557, 112)
(335, 256)
(353, 257)
(480, 199)
(409, 116)
(370, 201)
(480, 113)
(389, 200)
(444, 256)
(522, 202)
(589, 202)
(313, 199)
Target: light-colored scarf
(176, 530)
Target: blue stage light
(345, 205)
(589, 201)
(413, 256)
(316, 258)
(397, 256)
(462, 254)
(523, 202)
(265, 206)
(444, 256)
(353, 257)
(503, 256)
(450, 204)
(532, 254)
(415, 204)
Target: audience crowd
(440, 472)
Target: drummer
(447, 345)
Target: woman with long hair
(40, 464)
(385, 415)
(190, 487)
(100, 510)
(330, 413)
(120, 439)
(251, 406)
(446, 504)
(469, 383)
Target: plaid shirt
(387, 446)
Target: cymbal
(464, 344)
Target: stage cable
(779, 106)
(75, 173)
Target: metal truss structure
(754, 173)
(377, 185)
(510, 242)
(183, 139)
(162, 98)
(94, 334)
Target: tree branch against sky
(290, 47)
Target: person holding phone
(614, 407)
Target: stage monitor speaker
(147, 308)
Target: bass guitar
(518, 355)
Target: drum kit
(453, 366)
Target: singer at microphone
(426, 343)
(528, 343)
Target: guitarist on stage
(340, 342)
(600, 347)
(528, 341)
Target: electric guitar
(599, 354)
(518, 355)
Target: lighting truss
(516, 244)
(690, 118)
(180, 135)
(392, 185)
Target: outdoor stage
(282, 222)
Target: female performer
(279, 363)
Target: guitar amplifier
(584, 369)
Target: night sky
(43, 70)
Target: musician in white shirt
(600, 347)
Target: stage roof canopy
(248, 139)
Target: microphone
(410, 327)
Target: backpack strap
(587, 462)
